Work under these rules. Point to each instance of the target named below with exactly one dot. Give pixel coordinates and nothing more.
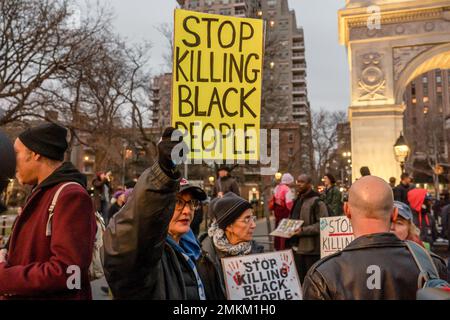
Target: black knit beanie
(227, 209)
(48, 140)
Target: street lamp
(401, 151)
(211, 180)
(278, 175)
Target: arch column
(374, 132)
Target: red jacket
(37, 265)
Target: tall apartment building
(161, 87)
(238, 8)
(285, 97)
(285, 104)
(427, 100)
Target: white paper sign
(267, 276)
(335, 234)
(286, 228)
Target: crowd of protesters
(152, 250)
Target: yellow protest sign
(216, 89)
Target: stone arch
(389, 43)
(438, 57)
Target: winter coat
(401, 192)
(283, 203)
(213, 255)
(309, 208)
(422, 216)
(345, 275)
(333, 199)
(226, 184)
(113, 210)
(37, 265)
(139, 262)
(99, 192)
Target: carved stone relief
(404, 55)
(372, 82)
(400, 29)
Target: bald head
(371, 197)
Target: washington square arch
(389, 43)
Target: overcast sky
(327, 67)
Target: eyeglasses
(247, 220)
(193, 204)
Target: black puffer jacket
(210, 252)
(138, 261)
(345, 275)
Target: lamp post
(346, 156)
(401, 151)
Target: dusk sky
(327, 67)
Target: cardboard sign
(335, 234)
(267, 276)
(287, 228)
(216, 91)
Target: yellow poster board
(216, 89)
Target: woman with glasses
(150, 251)
(231, 232)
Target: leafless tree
(37, 45)
(324, 136)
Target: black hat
(48, 140)
(365, 171)
(197, 192)
(228, 208)
(7, 158)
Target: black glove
(171, 141)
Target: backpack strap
(48, 230)
(425, 263)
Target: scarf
(190, 250)
(222, 244)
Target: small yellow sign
(216, 89)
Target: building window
(271, 3)
(425, 79)
(291, 138)
(88, 168)
(425, 110)
(439, 79)
(193, 4)
(225, 12)
(290, 152)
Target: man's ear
(394, 215)
(35, 156)
(347, 210)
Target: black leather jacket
(138, 262)
(347, 275)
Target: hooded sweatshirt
(38, 265)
